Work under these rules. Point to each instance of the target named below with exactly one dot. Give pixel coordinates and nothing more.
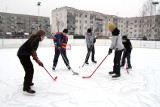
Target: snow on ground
(139, 88)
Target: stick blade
(75, 73)
(86, 77)
(55, 78)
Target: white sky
(123, 8)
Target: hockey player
(118, 47)
(127, 52)
(90, 40)
(25, 51)
(60, 42)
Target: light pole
(155, 3)
(38, 4)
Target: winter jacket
(60, 40)
(127, 45)
(90, 40)
(29, 46)
(116, 40)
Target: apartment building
(77, 21)
(20, 26)
(139, 27)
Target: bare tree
(147, 22)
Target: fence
(14, 43)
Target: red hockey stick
(95, 69)
(50, 74)
(127, 66)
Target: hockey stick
(96, 68)
(50, 74)
(74, 73)
(127, 66)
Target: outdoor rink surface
(139, 88)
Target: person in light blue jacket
(118, 47)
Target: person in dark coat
(25, 51)
(60, 41)
(127, 52)
(118, 47)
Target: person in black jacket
(25, 51)
(127, 52)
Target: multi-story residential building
(139, 27)
(77, 21)
(18, 25)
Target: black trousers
(128, 59)
(29, 71)
(64, 57)
(89, 51)
(117, 58)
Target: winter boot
(29, 92)
(111, 72)
(116, 76)
(129, 68)
(68, 67)
(53, 68)
(86, 63)
(94, 61)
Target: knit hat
(111, 26)
(124, 37)
(40, 32)
(89, 30)
(65, 31)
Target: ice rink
(139, 88)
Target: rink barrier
(14, 43)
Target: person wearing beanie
(127, 52)
(116, 44)
(90, 40)
(60, 40)
(24, 52)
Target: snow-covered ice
(139, 88)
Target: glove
(34, 55)
(39, 62)
(110, 51)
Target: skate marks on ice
(140, 88)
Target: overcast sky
(122, 8)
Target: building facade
(20, 26)
(78, 21)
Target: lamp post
(38, 4)
(155, 3)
